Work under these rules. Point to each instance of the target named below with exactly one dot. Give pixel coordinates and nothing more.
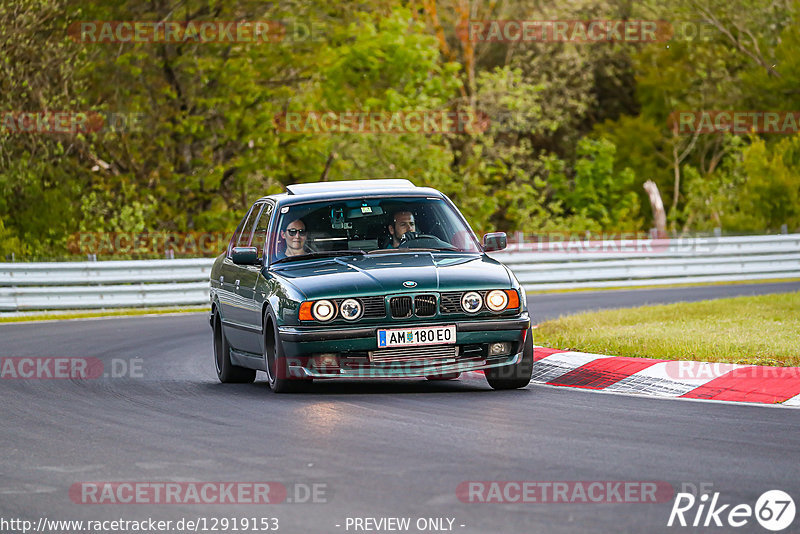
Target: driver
(402, 222)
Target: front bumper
(300, 344)
(402, 370)
(310, 334)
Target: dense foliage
(574, 129)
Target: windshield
(372, 225)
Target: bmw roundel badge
(409, 283)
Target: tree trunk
(659, 215)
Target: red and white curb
(668, 378)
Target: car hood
(386, 273)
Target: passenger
(295, 238)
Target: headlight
(351, 309)
(323, 310)
(471, 302)
(497, 300)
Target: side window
(260, 232)
(246, 237)
(242, 229)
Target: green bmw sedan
(365, 279)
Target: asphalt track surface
(380, 448)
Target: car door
(231, 304)
(247, 287)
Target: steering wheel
(428, 241)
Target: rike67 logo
(774, 510)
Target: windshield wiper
(322, 254)
(413, 249)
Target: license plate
(411, 337)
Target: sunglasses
(294, 231)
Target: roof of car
(352, 188)
(348, 185)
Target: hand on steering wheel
(408, 236)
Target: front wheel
(517, 375)
(226, 371)
(276, 365)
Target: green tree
(757, 189)
(597, 197)
(40, 174)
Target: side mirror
(494, 241)
(244, 255)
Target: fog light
(325, 361)
(498, 349)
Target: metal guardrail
(539, 266)
(597, 264)
(104, 284)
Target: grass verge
(666, 286)
(85, 314)
(760, 330)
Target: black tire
(226, 371)
(275, 363)
(445, 376)
(514, 376)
